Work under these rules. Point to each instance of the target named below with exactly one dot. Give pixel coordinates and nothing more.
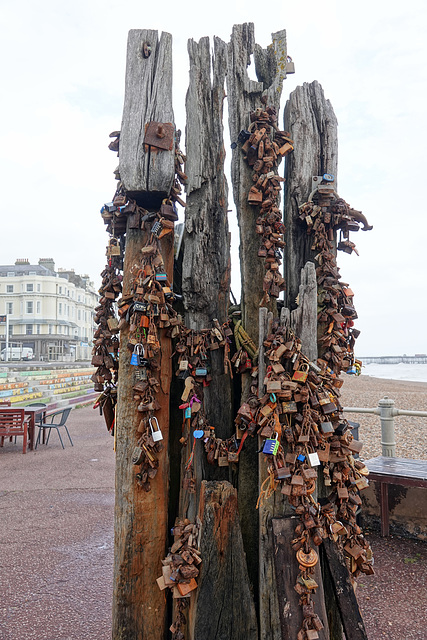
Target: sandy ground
(56, 533)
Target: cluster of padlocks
(180, 570)
(105, 340)
(299, 418)
(264, 146)
(325, 214)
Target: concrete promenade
(56, 547)
(56, 535)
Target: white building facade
(50, 311)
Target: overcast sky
(63, 67)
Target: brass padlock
(254, 196)
(113, 248)
(300, 375)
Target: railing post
(387, 413)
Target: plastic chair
(49, 423)
(39, 415)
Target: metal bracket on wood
(160, 135)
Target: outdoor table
(31, 412)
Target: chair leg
(57, 430)
(68, 434)
(38, 438)
(48, 436)
(24, 446)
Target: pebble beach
(410, 432)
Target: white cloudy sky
(63, 66)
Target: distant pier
(418, 358)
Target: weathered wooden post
(312, 121)
(205, 288)
(244, 96)
(222, 607)
(147, 172)
(206, 240)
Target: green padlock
(271, 446)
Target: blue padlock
(161, 277)
(201, 371)
(352, 371)
(138, 351)
(301, 458)
(187, 413)
(271, 446)
(328, 177)
(110, 207)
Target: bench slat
(404, 468)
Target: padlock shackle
(150, 419)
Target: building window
(60, 309)
(50, 329)
(10, 274)
(60, 289)
(38, 328)
(38, 306)
(78, 298)
(79, 315)
(38, 288)
(32, 273)
(9, 308)
(29, 329)
(9, 288)
(10, 330)
(29, 306)
(30, 287)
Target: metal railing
(387, 412)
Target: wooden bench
(401, 471)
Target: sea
(401, 371)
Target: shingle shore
(410, 432)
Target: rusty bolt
(160, 133)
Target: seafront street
(56, 534)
